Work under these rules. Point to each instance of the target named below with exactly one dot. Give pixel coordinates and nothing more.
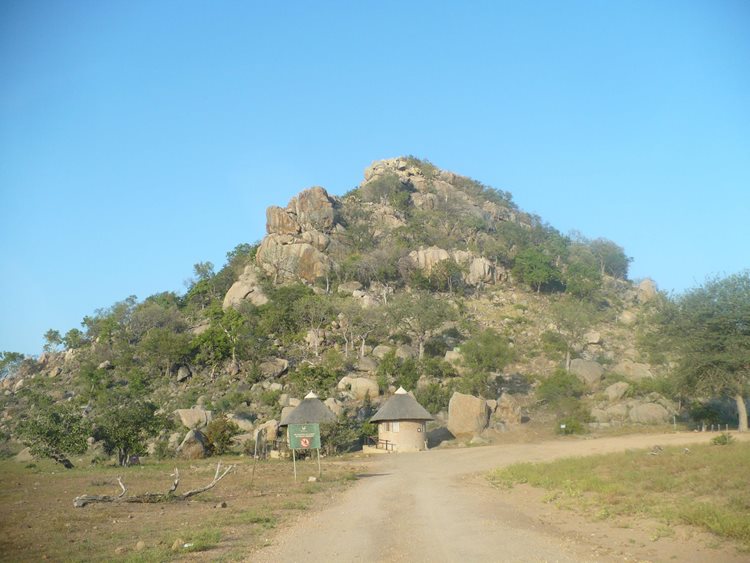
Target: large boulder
(426, 258)
(359, 387)
(508, 409)
(273, 368)
(194, 418)
(381, 350)
(334, 406)
(633, 371)
(194, 446)
(366, 364)
(243, 422)
(246, 288)
(649, 413)
(588, 371)
(271, 429)
(647, 290)
(467, 414)
(183, 373)
(616, 391)
(480, 271)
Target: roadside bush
(573, 416)
(219, 434)
(561, 385)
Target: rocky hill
(418, 277)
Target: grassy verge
(226, 523)
(707, 486)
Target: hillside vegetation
(418, 278)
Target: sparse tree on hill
(419, 314)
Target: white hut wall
(405, 435)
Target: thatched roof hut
(401, 406)
(310, 410)
(402, 423)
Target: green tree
(582, 279)
(125, 424)
(485, 353)
(573, 318)
(74, 339)
(52, 340)
(314, 312)
(219, 433)
(611, 257)
(9, 363)
(419, 314)
(163, 348)
(709, 327)
(56, 431)
(535, 268)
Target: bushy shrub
(219, 434)
(562, 384)
(434, 397)
(723, 439)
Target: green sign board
(304, 436)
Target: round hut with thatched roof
(310, 410)
(402, 423)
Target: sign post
(304, 437)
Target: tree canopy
(709, 327)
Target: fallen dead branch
(147, 498)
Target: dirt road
(436, 506)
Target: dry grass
(39, 522)
(707, 486)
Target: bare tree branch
(148, 498)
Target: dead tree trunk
(148, 498)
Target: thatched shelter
(310, 410)
(402, 423)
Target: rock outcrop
(298, 237)
(246, 288)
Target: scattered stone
(140, 546)
(312, 479)
(222, 504)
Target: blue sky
(138, 138)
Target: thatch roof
(310, 410)
(401, 406)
